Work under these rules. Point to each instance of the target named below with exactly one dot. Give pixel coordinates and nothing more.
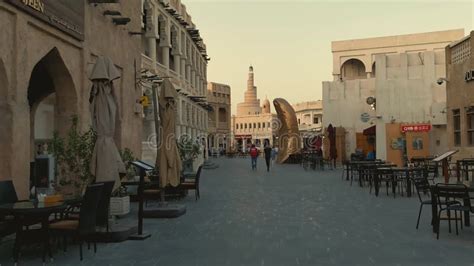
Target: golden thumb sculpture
(289, 140)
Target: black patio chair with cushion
(103, 208)
(7, 195)
(7, 192)
(84, 228)
(450, 197)
(104, 204)
(193, 184)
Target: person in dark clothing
(268, 155)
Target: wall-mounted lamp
(372, 102)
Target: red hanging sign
(415, 128)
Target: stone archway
(353, 69)
(50, 79)
(6, 125)
(57, 79)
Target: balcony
(147, 62)
(163, 70)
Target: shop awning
(369, 131)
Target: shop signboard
(415, 128)
(65, 15)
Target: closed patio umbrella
(332, 144)
(106, 163)
(168, 159)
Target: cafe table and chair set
(54, 219)
(449, 202)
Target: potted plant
(120, 200)
(188, 151)
(73, 154)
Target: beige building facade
(460, 96)
(309, 116)
(310, 122)
(253, 124)
(172, 48)
(44, 74)
(219, 124)
(399, 74)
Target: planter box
(119, 206)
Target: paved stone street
(285, 217)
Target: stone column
(193, 78)
(183, 67)
(188, 71)
(178, 132)
(152, 48)
(183, 130)
(198, 86)
(177, 63)
(151, 32)
(165, 52)
(179, 107)
(204, 85)
(217, 116)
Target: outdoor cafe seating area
(52, 220)
(424, 179)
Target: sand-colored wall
(460, 95)
(25, 41)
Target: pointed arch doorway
(53, 100)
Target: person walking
(274, 154)
(253, 156)
(268, 155)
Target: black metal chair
(422, 186)
(345, 169)
(7, 195)
(193, 184)
(386, 176)
(7, 192)
(450, 197)
(104, 204)
(84, 228)
(354, 169)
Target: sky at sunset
(289, 42)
